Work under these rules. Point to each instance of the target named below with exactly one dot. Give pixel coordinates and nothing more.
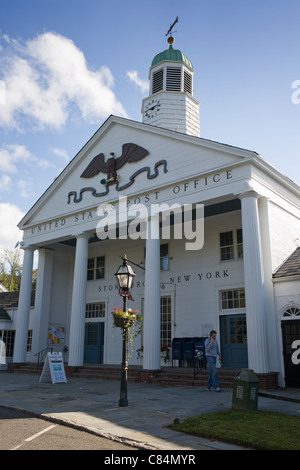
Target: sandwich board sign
(53, 370)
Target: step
(168, 376)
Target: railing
(41, 355)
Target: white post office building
(243, 280)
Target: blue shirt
(212, 348)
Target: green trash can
(245, 390)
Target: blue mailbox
(177, 350)
(188, 349)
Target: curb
(80, 427)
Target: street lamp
(125, 277)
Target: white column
(77, 326)
(151, 322)
(42, 300)
(254, 290)
(274, 350)
(24, 307)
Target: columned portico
(151, 323)
(76, 344)
(254, 290)
(24, 307)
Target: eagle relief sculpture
(130, 153)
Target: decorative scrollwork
(94, 192)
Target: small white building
(247, 211)
(286, 281)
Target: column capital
(85, 235)
(249, 193)
(45, 249)
(27, 247)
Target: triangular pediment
(152, 157)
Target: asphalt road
(21, 431)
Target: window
(95, 268)
(239, 240)
(226, 243)
(233, 299)
(165, 321)
(164, 257)
(238, 330)
(292, 312)
(8, 336)
(231, 244)
(96, 310)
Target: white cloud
(142, 84)
(12, 158)
(47, 80)
(25, 188)
(11, 155)
(5, 183)
(61, 153)
(9, 233)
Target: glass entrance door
(233, 334)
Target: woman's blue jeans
(213, 375)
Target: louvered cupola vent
(173, 79)
(187, 82)
(158, 81)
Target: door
(233, 340)
(94, 342)
(291, 351)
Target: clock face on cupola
(170, 103)
(151, 108)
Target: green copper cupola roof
(173, 55)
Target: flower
(129, 313)
(133, 325)
(165, 349)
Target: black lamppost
(125, 277)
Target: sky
(67, 65)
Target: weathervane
(171, 39)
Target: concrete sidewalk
(93, 405)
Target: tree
(10, 269)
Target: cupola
(171, 103)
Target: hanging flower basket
(123, 322)
(125, 319)
(130, 320)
